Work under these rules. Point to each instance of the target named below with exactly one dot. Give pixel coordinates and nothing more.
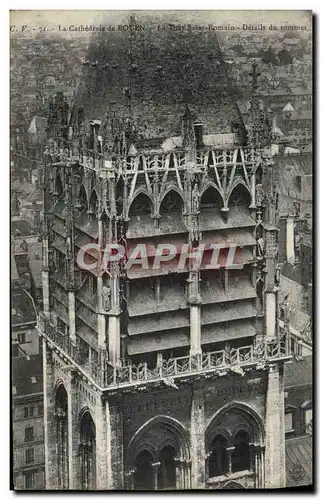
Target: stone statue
(260, 247)
(195, 198)
(106, 298)
(68, 245)
(259, 194)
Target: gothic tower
(163, 366)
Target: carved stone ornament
(195, 198)
(259, 194)
(106, 298)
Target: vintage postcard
(161, 250)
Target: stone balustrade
(154, 162)
(105, 375)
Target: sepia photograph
(161, 219)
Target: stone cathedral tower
(160, 377)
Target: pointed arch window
(82, 200)
(259, 175)
(61, 420)
(172, 202)
(218, 460)
(59, 190)
(93, 204)
(211, 198)
(167, 469)
(143, 477)
(141, 205)
(239, 197)
(240, 459)
(260, 291)
(87, 452)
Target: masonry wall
(118, 418)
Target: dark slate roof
(22, 308)
(292, 272)
(299, 320)
(291, 166)
(299, 461)
(298, 373)
(27, 375)
(23, 188)
(302, 161)
(22, 227)
(162, 70)
(36, 195)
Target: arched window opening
(167, 469)
(59, 190)
(143, 477)
(87, 452)
(153, 452)
(93, 204)
(241, 455)
(141, 205)
(211, 199)
(61, 418)
(259, 175)
(239, 197)
(218, 460)
(82, 199)
(259, 291)
(172, 202)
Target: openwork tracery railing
(205, 158)
(234, 359)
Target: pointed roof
(152, 74)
